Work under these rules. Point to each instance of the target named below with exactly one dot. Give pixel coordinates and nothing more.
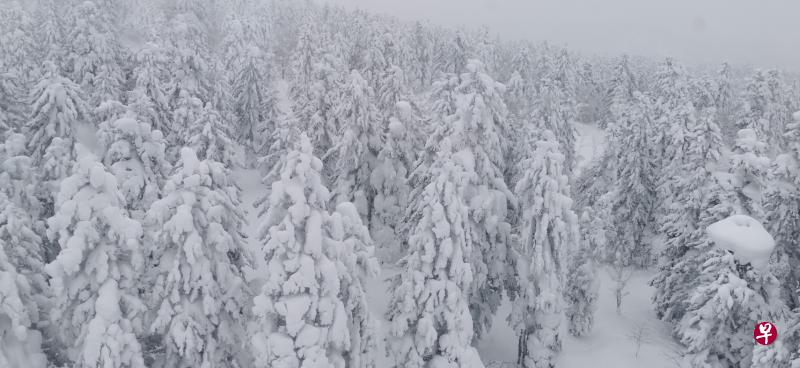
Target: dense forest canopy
(448, 156)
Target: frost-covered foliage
(356, 145)
(783, 213)
(311, 308)
(93, 52)
(479, 129)
(731, 297)
(695, 189)
(209, 136)
(581, 288)
(21, 344)
(57, 110)
(389, 180)
(149, 99)
(633, 195)
(135, 154)
(548, 235)
(96, 304)
(198, 299)
(430, 321)
(750, 167)
(254, 100)
(421, 148)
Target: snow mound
(745, 237)
(796, 115)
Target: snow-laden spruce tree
(19, 212)
(389, 180)
(149, 99)
(764, 110)
(314, 88)
(782, 205)
(581, 288)
(57, 110)
(12, 105)
(22, 344)
(480, 126)
(253, 99)
(356, 145)
(691, 177)
(198, 297)
(57, 113)
(430, 322)
(548, 233)
(135, 154)
(633, 195)
(355, 264)
(186, 111)
(750, 168)
(94, 53)
(735, 291)
(670, 133)
(210, 137)
(96, 307)
(311, 308)
(553, 110)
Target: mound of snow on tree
(745, 237)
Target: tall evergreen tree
(548, 234)
(93, 279)
(198, 296)
(311, 308)
(431, 325)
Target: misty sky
(763, 33)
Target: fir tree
(548, 233)
(431, 325)
(135, 154)
(22, 344)
(198, 296)
(356, 146)
(96, 303)
(311, 308)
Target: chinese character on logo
(765, 333)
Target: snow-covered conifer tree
(731, 296)
(480, 126)
(782, 208)
(253, 99)
(149, 99)
(633, 196)
(19, 211)
(691, 177)
(210, 137)
(356, 146)
(135, 154)
(96, 304)
(548, 234)
(93, 57)
(198, 296)
(430, 321)
(356, 263)
(389, 180)
(311, 308)
(750, 167)
(581, 288)
(22, 344)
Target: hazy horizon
(760, 34)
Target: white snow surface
(745, 237)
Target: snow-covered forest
(282, 184)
